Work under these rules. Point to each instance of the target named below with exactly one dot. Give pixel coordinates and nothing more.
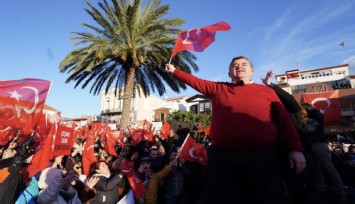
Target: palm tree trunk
(127, 98)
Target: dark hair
(94, 166)
(242, 57)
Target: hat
(47, 176)
(145, 159)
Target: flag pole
(182, 146)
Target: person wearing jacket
(11, 177)
(309, 124)
(151, 195)
(323, 178)
(295, 182)
(107, 185)
(56, 188)
(29, 195)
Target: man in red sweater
(247, 119)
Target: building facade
(326, 79)
(150, 108)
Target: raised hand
(267, 79)
(169, 68)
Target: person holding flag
(247, 119)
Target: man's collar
(241, 83)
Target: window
(202, 107)
(208, 107)
(193, 109)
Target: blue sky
(274, 34)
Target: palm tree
(128, 48)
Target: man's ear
(229, 74)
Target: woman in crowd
(107, 185)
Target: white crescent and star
(14, 94)
(17, 96)
(91, 146)
(198, 31)
(321, 99)
(191, 152)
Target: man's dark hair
(242, 57)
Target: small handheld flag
(197, 39)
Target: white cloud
(351, 62)
(306, 39)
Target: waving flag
(137, 135)
(43, 154)
(197, 39)
(207, 130)
(193, 151)
(200, 128)
(88, 153)
(165, 130)
(149, 130)
(21, 103)
(127, 169)
(113, 138)
(327, 103)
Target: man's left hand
(297, 161)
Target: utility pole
(297, 62)
(342, 44)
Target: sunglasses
(78, 167)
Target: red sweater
(245, 117)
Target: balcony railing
(112, 110)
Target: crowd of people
(166, 178)
(264, 147)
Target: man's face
(240, 69)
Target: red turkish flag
(200, 128)
(43, 127)
(43, 155)
(127, 169)
(197, 39)
(193, 151)
(149, 129)
(112, 139)
(165, 130)
(6, 136)
(136, 135)
(136, 185)
(88, 153)
(21, 103)
(64, 141)
(327, 103)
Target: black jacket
(294, 110)
(313, 129)
(106, 189)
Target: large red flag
(136, 135)
(21, 103)
(112, 139)
(193, 151)
(43, 155)
(327, 103)
(197, 39)
(64, 141)
(127, 169)
(136, 185)
(165, 130)
(88, 153)
(148, 130)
